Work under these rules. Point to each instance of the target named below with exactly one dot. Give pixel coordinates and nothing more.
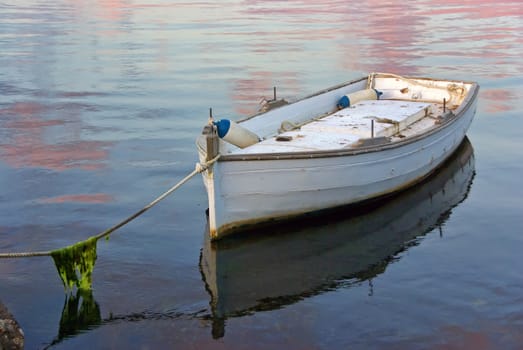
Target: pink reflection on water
(25, 153)
(95, 198)
(498, 100)
(462, 18)
(490, 337)
(24, 108)
(293, 7)
(111, 9)
(388, 39)
(248, 93)
(396, 37)
(383, 43)
(26, 144)
(475, 9)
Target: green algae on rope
(75, 264)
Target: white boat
(245, 274)
(351, 143)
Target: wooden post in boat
(211, 137)
(372, 128)
(444, 105)
(212, 143)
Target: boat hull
(252, 190)
(263, 272)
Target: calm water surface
(100, 103)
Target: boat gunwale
(463, 108)
(335, 87)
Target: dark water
(100, 103)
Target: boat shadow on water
(275, 266)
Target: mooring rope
(199, 168)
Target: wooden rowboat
(351, 143)
(245, 274)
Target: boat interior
(379, 109)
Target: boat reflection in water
(268, 270)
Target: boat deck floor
(346, 127)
